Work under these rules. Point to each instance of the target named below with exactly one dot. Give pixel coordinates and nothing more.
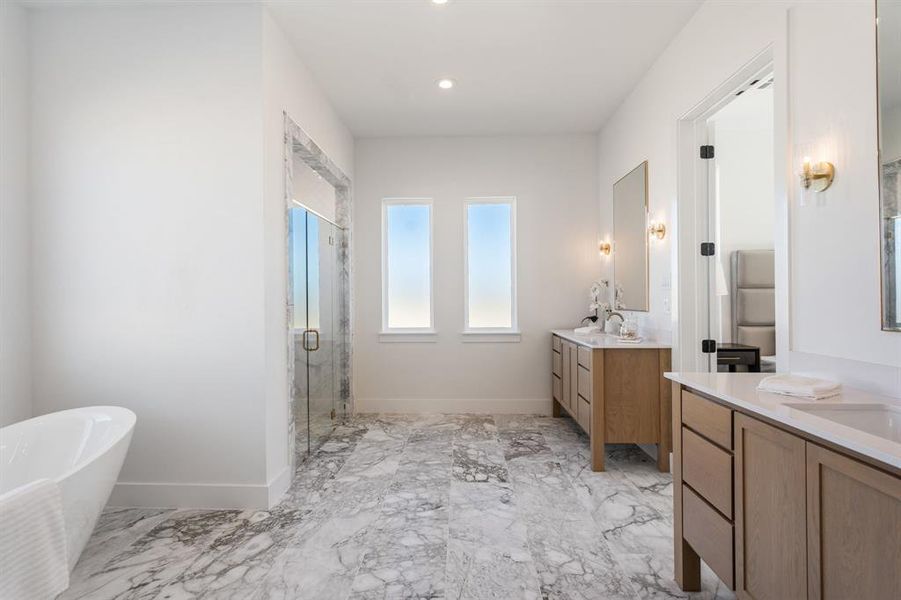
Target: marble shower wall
(299, 145)
(891, 209)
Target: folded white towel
(632, 340)
(802, 387)
(33, 550)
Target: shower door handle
(306, 338)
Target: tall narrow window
(407, 265)
(490, 265)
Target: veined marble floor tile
(573, 562)
(117, 529)
(479, 461)
(652, 577)
(158, 557)
(304, 573)
(476, 572)
(477, 428)
(524, 445)
(486, 514)
(543, 491)
(414, 506)
(406, 556)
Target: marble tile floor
(395, 506)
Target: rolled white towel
(800, 386)
(33, 550)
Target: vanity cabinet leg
(663, 457)
(598, 428)
(557, 410)
(686, 562)
(665, 445)
(687, 567)
(597, 451)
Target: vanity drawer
(711, 420)
(555, 343)
(707, 469)
(585, 357)
(584, 383)
(584, 415)
(709, 534)
(558, 364)
(558, 389)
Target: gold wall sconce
(606, 248)
(657, 229)
(817, 176)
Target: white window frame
(408, 334)
(491, 334)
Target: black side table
(732, 355)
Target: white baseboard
(201, 495)
(279, 485)
(491, 406)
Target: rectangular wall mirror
(630, 240)
(889, 61)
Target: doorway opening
(741, 221)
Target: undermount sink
(881, 420)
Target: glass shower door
(314, 294)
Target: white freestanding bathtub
(82, 450)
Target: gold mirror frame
(634, 230)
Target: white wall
(288, 88)
(15, 321)
(147, 264)
(834, 311)
(159, 248)
(554, 181)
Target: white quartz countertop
(740, 391)
(604, 340)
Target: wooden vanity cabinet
(792, 519)
(853, 528)
(615, 395)
(770, 515)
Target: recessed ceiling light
(439, 1)
(445, 84)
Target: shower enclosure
(318, 227)
(315, 302)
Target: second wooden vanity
(616, 392)
(779, 504)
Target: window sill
(409, 337)
(476, 336)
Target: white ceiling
(521, 66)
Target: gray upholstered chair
(754, 302)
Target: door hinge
(708, 346)
(706, 152)
(708, 248)
(331, 240)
